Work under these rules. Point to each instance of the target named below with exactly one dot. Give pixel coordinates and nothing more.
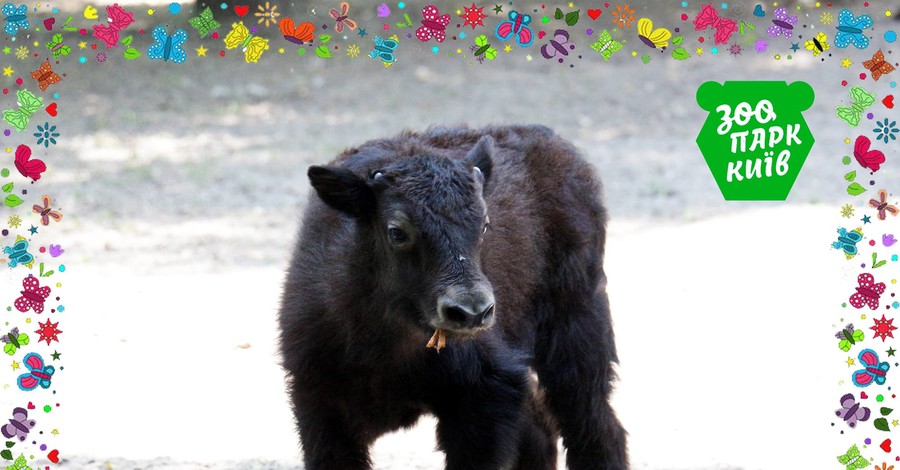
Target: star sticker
(54, 432)
(201, 51)
(850, 361)
(7, 71)
(361, 32)
(845, 63)
(507, 48)
(883, 328)
(57, 354)
(498, 9)
(33, 230)
(866, 219)
(15, 365)
(48, 331)
(795, 46)
(7, 50)
(82, 45)
(895, 422)
(891, 351)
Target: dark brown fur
(354, 319)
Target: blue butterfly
(384, 50)
(850, 28)
(39, 374)
(847, 241)
(874, 372)
(167, 47)
(15, 18)
(18, 253)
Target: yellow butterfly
(655, 38)
(817, 44)
(251, 46)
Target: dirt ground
(183, 185)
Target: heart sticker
(594, 13)
(888, 101)
(241, 10)
(51, 110)
(886, 445)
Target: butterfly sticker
(27, 167)
(57, 48)
(384, 50)
(817, 44)
(18, 253)
(850, 30)
(709, 17)
(874, 372)
(782, 24)
(167, 47)
(45, 212)
(433, 25)
(28, 104)
(118, 19)
(19, 425)
(516, 26)
(297, 34)
(205, 22)
(851, 411)
(14, 340)
(33, 295)
(19, 464)
(869, 159)
(606, 45)
(38, 375)
(847, 241)
(653, 38)
(862, 99)
(559, 46)
(252, 46)
(482, 50)
(882, 206)
(341, 19)
(16, 18)
(867, 293)
(848, 337)
(877, 66)
(45, 75)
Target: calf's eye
(397, 235)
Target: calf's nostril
(455, 314)
(487, 314)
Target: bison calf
(489, 239)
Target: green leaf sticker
(878, 264)
(7, 187)
(325, 38)
(886, 411)
(680, 54)
(131, 53)
(10, 444)
(127, 41)
(572, 18)
(850, 176)
(855, 189)
(558, 14)
(881, 424)
(6, 453)
(12, 200)
(678, 40)
(323, 52)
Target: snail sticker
(755, 139)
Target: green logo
(755, 139)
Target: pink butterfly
(870, 159)
(119, 19)
(724, 27)
(27, 167)
(867, 293)
(433, 25)
(33, 296)
(341, 18)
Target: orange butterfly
(45, 75)
(45, 212)
(299, 34)
(878, 66)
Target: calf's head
(424, 218)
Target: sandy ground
(183, 186)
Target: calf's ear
(482, 156)
(343, 190)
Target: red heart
(594, 14)
(888, 101)
(241, 10)
(51, 110)
(863, 395)
(30, 405)
(48, 23)
(53, 456)
(886, 445)
(541, 34)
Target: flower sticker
(46, 134)
(885, 130)
(623, 16)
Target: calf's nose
(467, 310)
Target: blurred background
(183, 185)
